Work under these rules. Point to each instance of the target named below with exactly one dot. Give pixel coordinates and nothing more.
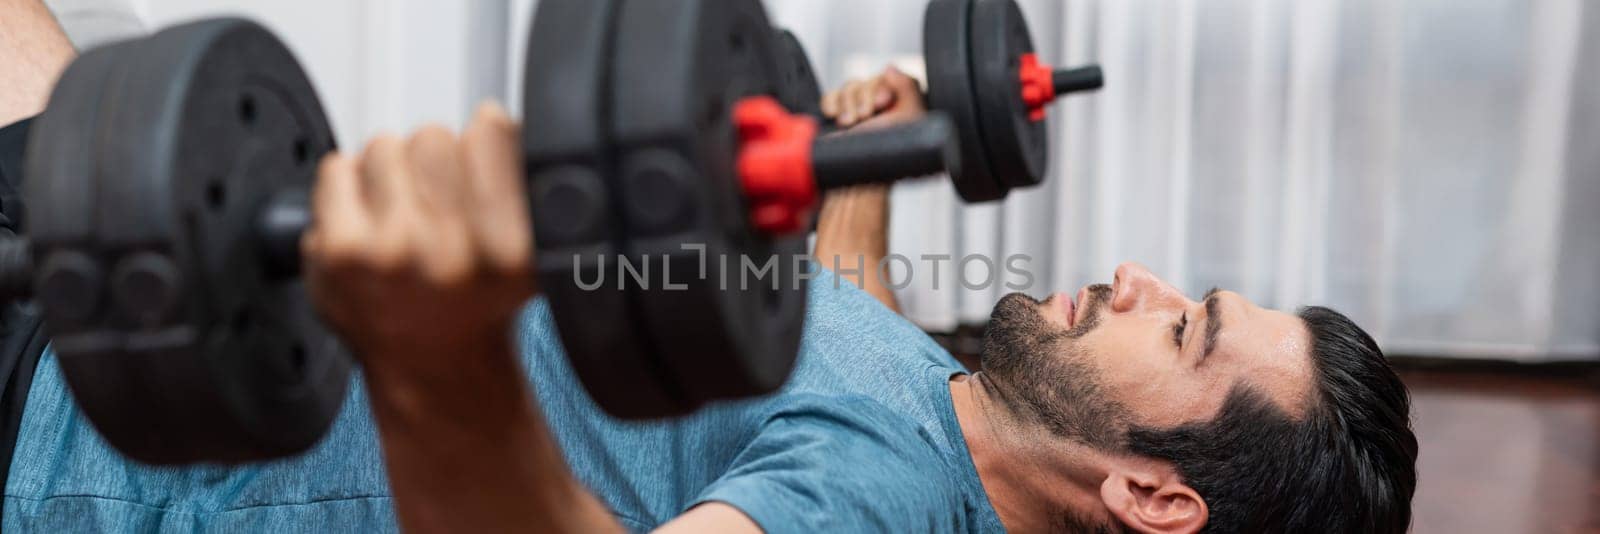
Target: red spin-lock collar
(775, 164)
(1038, 86)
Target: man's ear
(1154, 501)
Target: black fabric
(22, 337)
(22, 342)
(13, 140)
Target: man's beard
(1040, 370)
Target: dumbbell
(983, 72)
(984, 75)
(669, 140)
(798, 87)
(167, 184)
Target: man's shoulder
(855, 423)
(848, 326)
(840, 463)
(838, 408)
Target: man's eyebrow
(1213, 320)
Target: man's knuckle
(387, 254)
(451, 270)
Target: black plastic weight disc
(679, 68)
(798, 88)
(177, 344)
(1017, 145)
(59, 151)
(570, 166)
(946, 41)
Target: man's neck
(1031, 478)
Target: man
(1124, 406)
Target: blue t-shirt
(862, 438)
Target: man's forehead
(1271, 351)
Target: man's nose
(1134, 287)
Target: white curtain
(1427, 167)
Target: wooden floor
(1506, 452)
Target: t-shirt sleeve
(839, 466)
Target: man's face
(1140, 353)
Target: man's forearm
(853, 233)
(33, 52)
(470, 452)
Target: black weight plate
(61, 176)
(798, 88)
(1018, 146)
(197, 354)
(56, 149)
(946, 41)
(679, 68)
(570, 170)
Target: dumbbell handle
(279, 225)
(1080, 79)
(885, 155)
(784, 165)
(922, 148)
(910, 150)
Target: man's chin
(1014, 333)
(1015, 309)
(1016, 299)
(1018, 316)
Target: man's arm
(470, 453)
(484, 461)
(711, 517)
(421, 258)
(853, 228)
(853, 234)
(33, 52)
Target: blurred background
(1429, 167)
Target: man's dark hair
(1347, 465)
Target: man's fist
(889, 99)
(422, 248)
